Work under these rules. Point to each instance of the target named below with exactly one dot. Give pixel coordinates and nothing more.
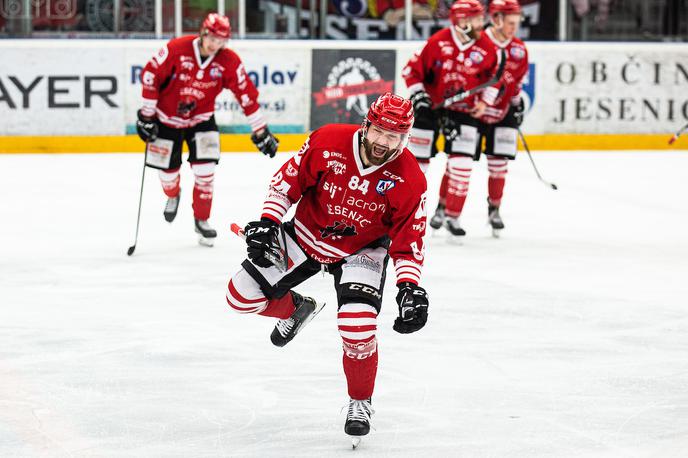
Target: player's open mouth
(379, 151)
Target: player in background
(360, 199)
(180, 84)
(500, 122)
(457, 58)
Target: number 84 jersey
(343, 206)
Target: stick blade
(554, 186)
(131, 249)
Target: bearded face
(381, 145)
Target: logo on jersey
(215, 73)
(338, 230)
(337, 167)
(383, 186)
(291, 171)
(476, 57)
(517, 52)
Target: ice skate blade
(496, 233)
(355, 441)
(205, 241)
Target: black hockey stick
(463, 94)
(131, 249)
(525, 145)
(678, 134)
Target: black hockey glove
(450, 128)
(266, 143)
(422, 110)
(261, 238)
(413, 308)
(519, 111)
(146, 127)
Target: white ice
(567, 337)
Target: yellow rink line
(292, 142)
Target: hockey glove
(261, 238)
(450, 128)
(518, 111)
(413, 308)
(146, 127)
(266, 142)
(422, 110)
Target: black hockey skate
(358, 420)
(206, 234)
(494, 219)
(438, 218)
(455, 230)
(171, 208)
(286, 330)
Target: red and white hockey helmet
(217, 25)
(504, 7)
(392, 112)
(464, 9)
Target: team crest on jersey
(517, 52)
(215, 73)
(476, 57)
(384, 185)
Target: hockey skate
(206, 234)
(171, 208)
(456, 232)
(286, 330)
(494, 219)
(438, 218)
(358, 420)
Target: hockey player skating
(500, 122)
(180, 84)
(360, 199)
(455, 59)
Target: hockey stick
(278, 258)
(131, 249)
(678, 134)
(525, 145)
(463, 94)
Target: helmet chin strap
(465, 31)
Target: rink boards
(82, 95)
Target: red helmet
(216, 24)
(504, 6)
(391, 112)
(464, 9)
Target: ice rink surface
(567, 337)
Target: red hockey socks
(281, 308)
(357, 325)
(169, 179)
(498, 168)
(459, 169)
(360, 367)
(443, 188)
(203, 189)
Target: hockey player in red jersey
(360, 199)
(180, 84)
(458, 58)
(501, 120)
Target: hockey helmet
(217, 25)
(464, 9)
(391, 112)
(504, 7)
